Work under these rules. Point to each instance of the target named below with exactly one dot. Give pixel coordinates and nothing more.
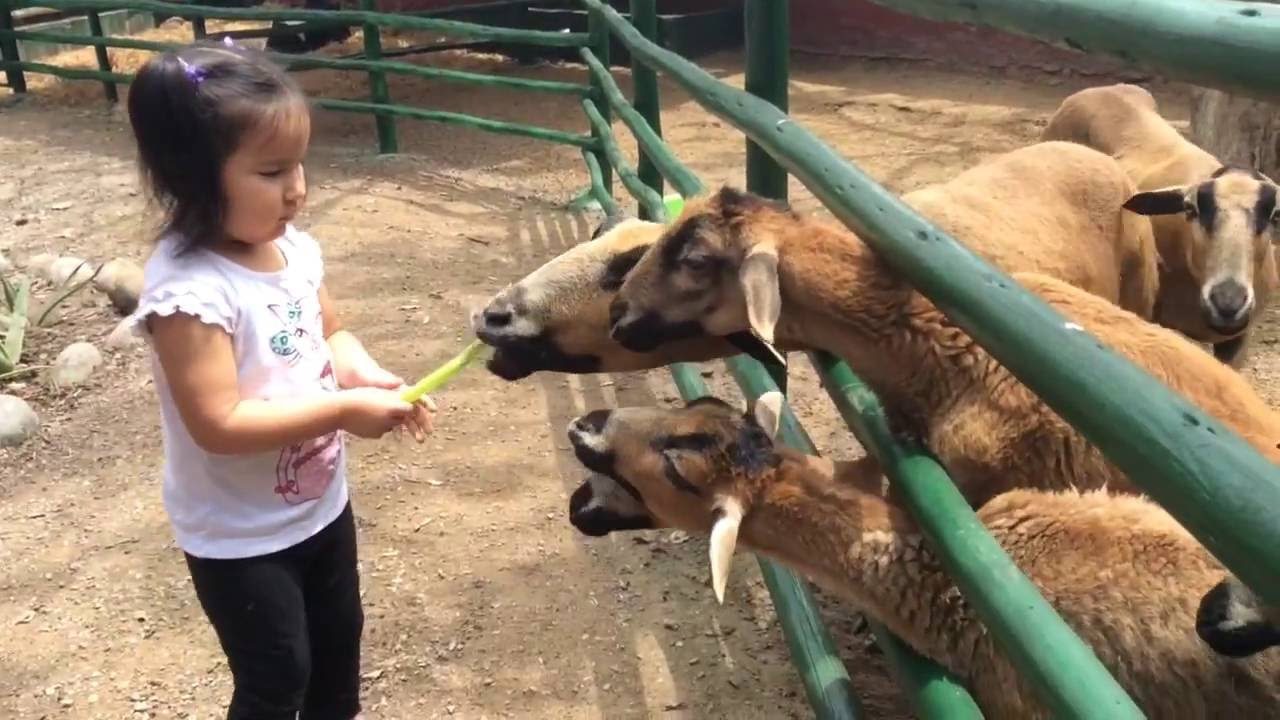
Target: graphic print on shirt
(304, 470)
(294, 340)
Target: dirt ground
(482, 601)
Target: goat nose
(592, 423)
(1229, 299)
(497, 317)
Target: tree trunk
(1238, 130)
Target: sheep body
(1053, 208)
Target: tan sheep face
(709, 274)
(666, 467)
(556, 319)
(1232, 218)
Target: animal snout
(1228, 304)
(588, 425)
(498, 317)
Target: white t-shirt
(232, 506)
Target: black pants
(290, 623)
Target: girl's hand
(421, 422)
(373, 412)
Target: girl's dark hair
(190, 109)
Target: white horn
(724, 537)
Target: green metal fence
(380, 105)
(1203, 473)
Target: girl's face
(263, 180)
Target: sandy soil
(482, 601)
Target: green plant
(13, 322)
(68, 292)
(15, 318)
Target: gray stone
(75, 364)
(123, 336)
(121, 280)
(69, 270)
(18, 422)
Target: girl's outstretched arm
(199, 366)
(352, 364)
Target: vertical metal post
(644, 80)
(768, 47)
(9, 50)
(598, 40)
(104, 60)
(378, 83)
(198, 30)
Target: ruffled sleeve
(173, 286)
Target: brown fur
(1122, 574)
(1123, 121)
(990, 431)
(1050, 207)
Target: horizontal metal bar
(453, 118)
(627, 174)
(685, 182)
(351, 17)
(309, 62)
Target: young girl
(257, 380)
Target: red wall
(858, 27)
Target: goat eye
(697, 263)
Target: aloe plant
(68, 292)
(14, 322)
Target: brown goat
(1123, 574)
(1050, 207)
(1214, 225)
(734, 261)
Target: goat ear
(759, 279)
(724, 538)
(768, 412)
(1165, 201)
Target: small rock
(123, 336)
(67, 270)
(41, 265)
(18, 421)
(121, 280)
(75, 364)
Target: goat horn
(724, 538)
